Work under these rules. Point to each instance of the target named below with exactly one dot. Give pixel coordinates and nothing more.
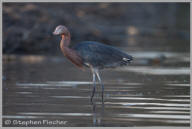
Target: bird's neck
(68, 52)
(64, 44)
(65, 40)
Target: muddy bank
(27, 27)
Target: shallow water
(50, 91)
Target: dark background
(28, 27)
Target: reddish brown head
(61, 30)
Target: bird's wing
(100, 55)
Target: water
(50, 91)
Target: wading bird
(91, 54)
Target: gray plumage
(100, 55)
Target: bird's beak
(55, 33)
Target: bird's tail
(128, 58)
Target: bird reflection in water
(97, 114)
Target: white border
(94, 1)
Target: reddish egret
(91, 54)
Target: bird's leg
(98, 76)
(93, 91)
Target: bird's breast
(72, 56)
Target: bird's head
(61, 30)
